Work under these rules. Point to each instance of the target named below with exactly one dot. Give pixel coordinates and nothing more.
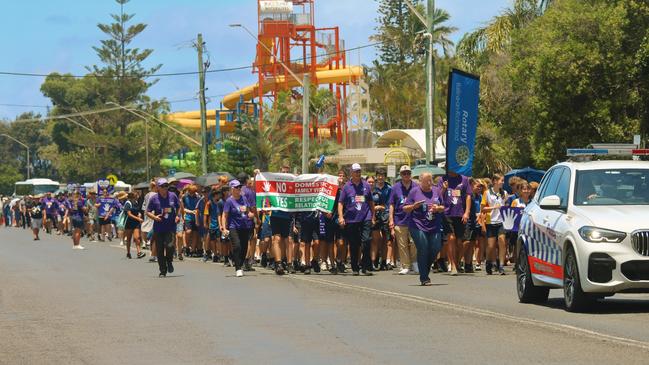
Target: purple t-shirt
(356, 202)
(168, 207)
(51, 206)
(455, 200)
(237, 210)
(398, 200)
(76, 211)
(63, 206)
(250, 195)
(105, 205)
(423, 218)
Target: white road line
(564, 328)
(485, 313)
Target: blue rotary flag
(463, 97)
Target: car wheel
(527, 291)
(574, 297)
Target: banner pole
(430, 89)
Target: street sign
(112, 179)
(637, 140)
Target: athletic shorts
(191, 226)
(180, 227)
(454, 225)
(495, 230)
(37, 223)
(214, 234)
(280, 226)
(265, 231)
(132, 224)
(332, 231)
(309, 231)
(104, 222)
(77, 222)
(472, 233)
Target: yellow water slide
(192, 119)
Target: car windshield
(612, 187)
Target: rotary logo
(462, 155)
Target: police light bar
(586, 151)
(641, 152)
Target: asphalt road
(64, 306)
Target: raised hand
(509, 218)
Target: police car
(586, 231)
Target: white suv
(586, 231)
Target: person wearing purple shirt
(399, 221)
(425, 204)
(76, 210)
(248, 192)
(51, 207)
(62, 214)
(164, 210)
(106, 205)
(238, 217)
(457, 209)
(356, 217)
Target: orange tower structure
(287, 28)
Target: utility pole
(428, 22)
(146, 137)
(430, 89)
(305, 122)
(201, 83)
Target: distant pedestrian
(425, 203)
(356, 217)
(239, 224)
(75, 211)
(164, 209)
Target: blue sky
(43, 36)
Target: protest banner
(291, 193)
(511, 218)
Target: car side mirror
(551, 202)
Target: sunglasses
(406, 173)
(165, 186)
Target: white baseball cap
(404, 168)
(356, 167)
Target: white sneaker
(454, 271)
(239, 273)
(121, 243)
(78, 247)
(324, 266)
(404, 272)
(415, 268)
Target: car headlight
(598, 235)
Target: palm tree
(496, 36)
(268, 144)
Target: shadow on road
(607, 306)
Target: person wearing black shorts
(133, 224)
(309, 237)
(457, 209)
(382, 252)
(76, 212)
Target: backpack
(121, 220)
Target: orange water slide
(323, 76)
